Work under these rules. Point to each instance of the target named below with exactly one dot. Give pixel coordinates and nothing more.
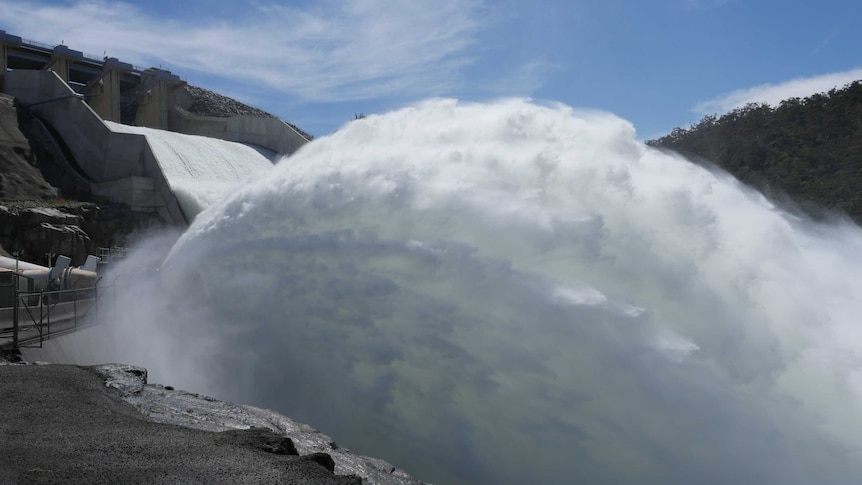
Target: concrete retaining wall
(139, 193)
(103, 156)
(270, 133)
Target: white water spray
(512, 293)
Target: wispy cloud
(525, 79)
(773, 94)
(697, 4)
(831, 35)
(333, 51)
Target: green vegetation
(809, 149)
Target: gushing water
(513, 293)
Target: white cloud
(773, 94)
(704, 4)
(525, 79)
(333, 51)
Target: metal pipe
(15, 314)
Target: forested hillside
(809, 149)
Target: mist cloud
(513, 293)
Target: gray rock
(205, 413)
(61, 424)
(33, 216)
(19, 178)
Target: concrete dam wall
(150, 170)
(103, 157)
(153, 98)
(76, 94)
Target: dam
(129, 135)
(513, 293)
(87, 102)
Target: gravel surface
(210, 103)
(61, 424)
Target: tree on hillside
(809, 149)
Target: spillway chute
(201, 170)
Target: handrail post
(96, 298)
(44, 313)
(15, 312)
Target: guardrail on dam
(116, 90)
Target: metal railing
(112, 254)
(85, 56)
(33, 43)
(36, 316)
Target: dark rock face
(74, 229)
(264, 440)
(36, 232)
(323, 459)
(19, 177)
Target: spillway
(517, 293)
(201, 170)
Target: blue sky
(659, 64)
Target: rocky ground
(62, 424)
(164, 404)
(88, 429)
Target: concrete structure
(7, 42)
(153, 98)
(269, 133)
(74, 93)
(105, 158)
(135, 191)
(76, 68)
(110, 85)
(156, 98)
(62, 59)
(103, 93)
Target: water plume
(518, 293)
